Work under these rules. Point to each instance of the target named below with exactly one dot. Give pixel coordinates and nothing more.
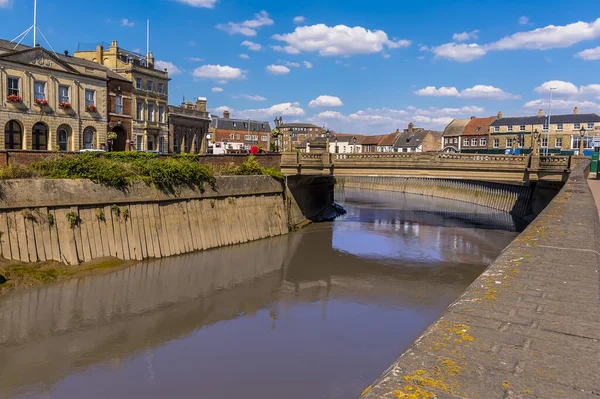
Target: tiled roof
(288, 125)
(347, 138)
(479, 126)
(389, 139)
(456, 127)
(228, 124)
(411, 140)
(540, 120)
(373, 140)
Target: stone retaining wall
(74, 221)
(504, 197)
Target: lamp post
(535, 142)
(582, 133)
(337, 149)
(515, 144)
(290, 139)
(328, 135)
(354, 144)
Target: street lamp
(582, 133)
(535, 142)
(515, 144)
(328, 135)
(336, 145)
(354, 144)
(290, 139)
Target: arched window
(88, 139)
(39, 140)
(13, 136)
(63, 139)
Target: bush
(252, 167)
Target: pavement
(529, 327)
(595, 187)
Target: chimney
(113, 45)
(576, 111)
(499, 114)
(472, 117)
(188, 105)
(100, 55)
(150, 60)
(541, 112)
(397, 130)
(225, 114)
(201, 104)
(411, 127)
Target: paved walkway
(529, 327)
(595, 187)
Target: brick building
(246, 131)
(300, 132)
(120, 108)
(149, 96)
(416, 139)
(51, 102)
(188, 127)
(452, 135)
(475, 137)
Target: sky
(352, 66)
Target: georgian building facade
(245, 131)
(188, 128)
(51, 101)
(149, 96)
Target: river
(319, 313)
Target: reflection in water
(316, 314)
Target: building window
(161, 145)
(576, 126)
(247, 137)
(88, 139)
(232, 136)
(544, 142)
(234, 124)
(39, 139)
(559, 127)
(264, 138)
(466, 142)
(509, 143)
(588, 142)
(558, 142)
(13, 136)
(150, 85)
(139, 140)
(161, 88)
(139, 110)
(63, 94)
(63, 140)
(150, 143)
(482, 141)
(119, 104)
(161, 114)
(496, 143)
(237, 136)
(522, 128)
(176, 144)
(89, 97)
(590, 126)
(474, 142)
(13, 86)
(150, 112)
(545, 126)
(496, 128)
(510, 128)
(39, 90)
(138, 83)
(455, 140)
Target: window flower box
(91, 108)
(14, 98)
(41, 103)
(64, 105)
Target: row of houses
(499, 134)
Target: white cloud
(563, 105)
(244, 56)
(523, 20)
(199, 3)
(219, 110)
(299, 19)
(286, 49)
(549, 37)
(459, 51)
(464, 36)
(4, 3)
(284, 109)
(589, 54)
(124, 22)
(326, 102)
(307, 64)
(386, 56)
(336, 40)
(248, 27)
(169, 66)
(251, 45)
(278, 69)
(249, 97)
(331, 115)
(217, 90)
(477, 91)
(561, 87)
(289, 64)
(218, 72)
(195, 59)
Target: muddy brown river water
(319, 313)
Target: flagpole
(34, 23)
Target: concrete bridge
(488, 168)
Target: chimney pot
(541, 112)
(225, 114)
(472, 117)
(499, 114)
(575, 110)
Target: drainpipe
(80, 133)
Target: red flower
(14, 98)
(41, 103)
(64, 105)
(91, 108)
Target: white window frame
(89, 101)
(139, 111)
(590, 126)
(139, 83)
(577, 126)
(558, 142)
(509, 143)
(544, 140)
(11, 90)
(510, 128)
(161, 113)
(496, 129)
(247, 137)
(118, 104)
(559, 127)
(150, 112)
(466, 142)
(522, 128)
(161, 88)
(62, 98)
(474, 142)
(496, 143)
(150, 86)
(482, 141)
(39, 95)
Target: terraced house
(51, 101)
(475, 137)
(149, 96)
(563, 133)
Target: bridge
(489, 168)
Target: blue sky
(354, 66)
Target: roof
(347, 138)
(228, 124)
(288, 125)
(479, 126)
(411, 140)
(373, 140)
(540, 120)
(456, 127)
(317, 142)
(389, 139)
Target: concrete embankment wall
(75, 221)
(528, 326)
(504, 197)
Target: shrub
(74, 219)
